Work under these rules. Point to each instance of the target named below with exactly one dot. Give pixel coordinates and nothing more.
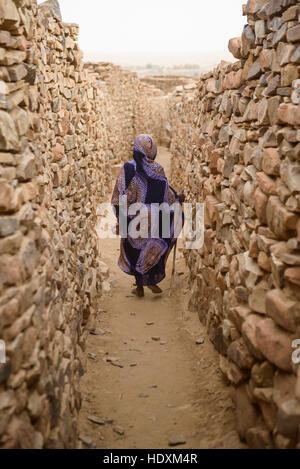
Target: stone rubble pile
(58, 128)
(168, 83)
(236, 147)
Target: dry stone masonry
(54, 166)
(236, 147)
(58, 132)
(135, 107)
(235, 139)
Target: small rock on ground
(87, 442)
(117, 364)
(200, 341)
(119, 430)
(177, 440)
(97, 332)
(97, 420)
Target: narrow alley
(148, 383)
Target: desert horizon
(163, 63)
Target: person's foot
(139, 291)
(155, 289)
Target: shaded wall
(236, 147)
(58, 129)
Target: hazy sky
(131, 26)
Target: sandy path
(167, 387)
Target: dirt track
(168, 385)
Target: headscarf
(143, 180)
(145, 144)
(144, 154)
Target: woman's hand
(181, 198)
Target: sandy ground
(148, 381)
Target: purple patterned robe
(143, 180)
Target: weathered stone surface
(293, 275)
(258, 297)
(234, 47)
(289, 113)
(280, 220)
(247, 414)
(240, 355)
(273, 105)
(274, 343)
(266, 59)
(12, 57)
(288, 419)
(6, 197)
(248, 40)
(10, 15)
(261, 202)
(271, 162)
(295, 57)
(290, 174)
(289, 74)
(21, 433)
(253, 6)
(264, 262)
(272, 86)
(231, 371)
(291, 13)
(258, 438)
(262, 374)
(282, 310)
(249, 329)
(280, 34)
(51, 7)
(293, 34)
(8, 226)
(254, 71)
(266, 184)
(8, 135)
(21, 120)
(284, 53)
(238, 315)
(17, 72)
(25, 170)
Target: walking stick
(174, 263)
(173, 270)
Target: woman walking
(143, 181)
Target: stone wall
(236, 147)
(152, 114)
(54, 168)
(134, 107)
(58, 130)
